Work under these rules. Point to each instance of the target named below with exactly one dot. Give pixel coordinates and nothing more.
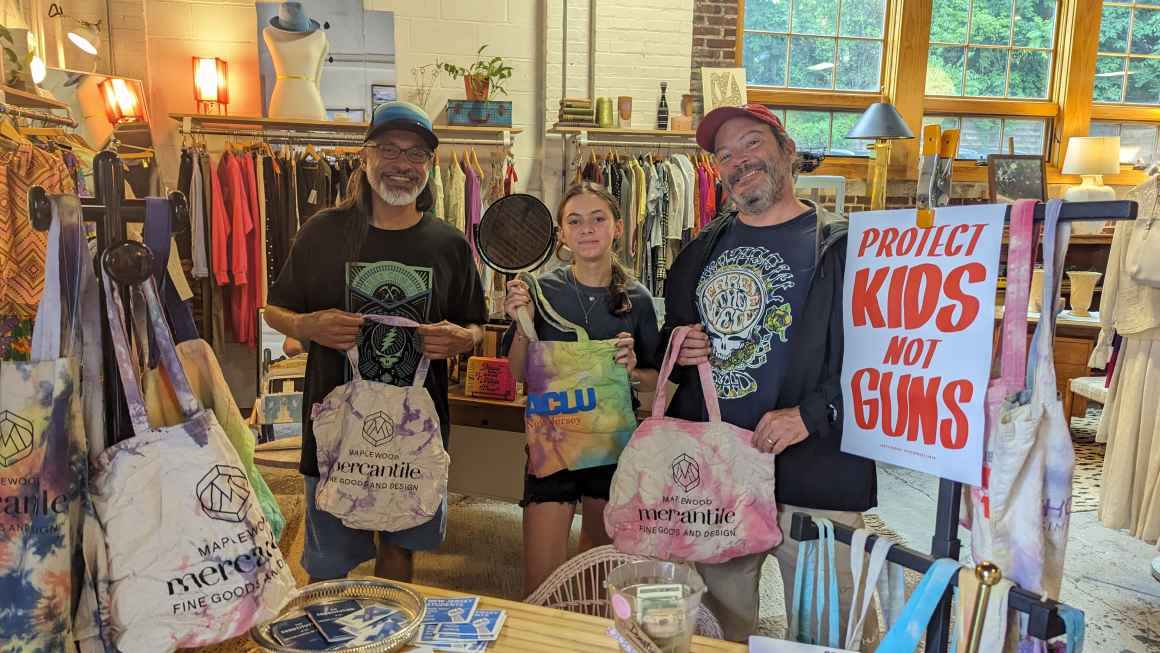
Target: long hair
(358, 205)
(618, 300)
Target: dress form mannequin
(298, 56)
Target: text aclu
(555, 403)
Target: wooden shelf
(618, 131)
(19, 98)
(1086, 239)
(340, 126)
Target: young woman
(596, 293)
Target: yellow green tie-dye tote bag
(579, 411)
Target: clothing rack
(111, 212)
(946, 543)
(38, 116)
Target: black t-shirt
(749, 294)
(571, 300)
(425, 273)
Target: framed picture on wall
(381, 93)
(723, 87)
(1013, 177)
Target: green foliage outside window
(1128, 63)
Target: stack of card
(456, 625)
(338, 624)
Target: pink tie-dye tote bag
(381, 462)
(579, 411)
(693, 491)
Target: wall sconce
(211, 85)
(121, 102)
(83, 33)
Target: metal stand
(1045, 622)
(110, 211)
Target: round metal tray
(379, 591)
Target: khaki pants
(733, 594)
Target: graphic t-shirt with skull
(749, 295)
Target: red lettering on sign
(864, 299)
(953, 289)
(912, 406)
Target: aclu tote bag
(190, 559)
(381, 462)
(579, 412)
(43, 452)
(694, 491)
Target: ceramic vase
(1083, 286)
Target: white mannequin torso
(298, 58)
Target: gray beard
(395, 197)
(761, 200)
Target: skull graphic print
(741, 303)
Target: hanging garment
(439, 207)
(43, 450)
(158, 237)
(457, 196)
(241, 228)
(313, 187)
(579, 411)
(211, 389)
(710, 465)
(261, 246)
(198, 221)
(175, 505)
(474, 206)
(1130, 494)
(381, 462)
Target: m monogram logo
(15, 438)
(378, 429)
(224, 493)
(686, 472)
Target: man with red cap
(763, 286)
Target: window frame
(1127, 56)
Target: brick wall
(714, 37)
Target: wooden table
(532, 629)
(1075, 337)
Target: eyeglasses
(390, 152)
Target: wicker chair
(578, 586)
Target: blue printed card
(483, 627)
(369, 615)
(451, 611)
(326, 617)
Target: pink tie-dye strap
(395, 321)
(1020, 248)
(704, 371)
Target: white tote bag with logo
(381, 462)
(191, 560)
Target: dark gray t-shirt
(749, 293)
(572, 301)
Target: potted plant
(481, 78)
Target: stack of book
(577, 112)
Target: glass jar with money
(656, 602)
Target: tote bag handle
(704, 371)
(395, 321)
(864, 592)
(1020, 248)
(54, 333)
(1056, 235)
(166, 351)
(904, 636)
(548, 313)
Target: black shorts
(569, 485)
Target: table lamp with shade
(1091, 157)
(882, 124)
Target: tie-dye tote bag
(579, 412)
(381, 462)
(692, 491)
(189, 558)
(43, 454)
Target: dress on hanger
(1130, 425)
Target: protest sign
(919, 312)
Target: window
(980, 136)
(1137, 140)
(1128, 63)
(991, 48)
(823, 131)
(833, 45)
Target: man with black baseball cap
(763, 286)
(417, 267)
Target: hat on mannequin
(292, 18)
